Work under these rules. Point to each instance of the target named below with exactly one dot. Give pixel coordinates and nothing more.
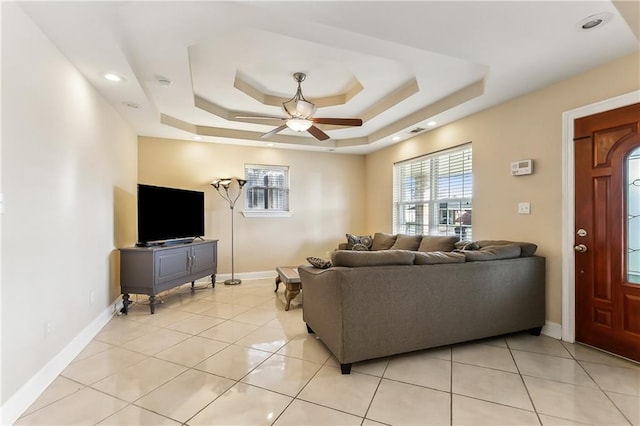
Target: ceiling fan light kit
(299, 124)
(300, 112)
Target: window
(433, 194)
(266, 191)
(633, 217)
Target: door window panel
(633, 217)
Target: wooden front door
(607, 232)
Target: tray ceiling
(190, 67)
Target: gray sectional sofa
(372, 304)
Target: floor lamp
(222, 186)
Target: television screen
(169, 214)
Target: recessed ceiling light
(431, 123)
(591, 24)
(396, 138)
(269, 144)
(197, 138)
(113, 77)
(131, 105)
(594, 21)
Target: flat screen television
(169, 215)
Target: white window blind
(433, 194)
(267, 188)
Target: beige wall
(68, 177)
(527, 127)
(326, 199)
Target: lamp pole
(222, 186)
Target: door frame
(568, 209)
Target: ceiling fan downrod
(298, 107)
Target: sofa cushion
(371, 258)
(382, 241)
(466, 245)
(407, 242)
(437, 243)
(362, 241)
(316, 262)
(436, 257)
(496, 252)
(526, 249)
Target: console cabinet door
(171, 264)
(204, 258)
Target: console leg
(125, 303)
(152, 304)
(345, 368)
(278, 281)
(535, 331)
(193, 288)
(213, 281)
(309, 330)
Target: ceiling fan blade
(259, 117)
(318, 134)
(338, 121)
(274, 131)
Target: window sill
(265, 213)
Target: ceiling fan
(300, 112)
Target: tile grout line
(451, 385)
(604, 392)
(364, 417)
(526, 388)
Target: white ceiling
(397, 65)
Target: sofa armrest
(323, 305)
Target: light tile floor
(232, 355)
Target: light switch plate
(524, 208)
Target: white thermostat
(522, 167)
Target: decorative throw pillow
(360, 240)
(382, 241)
(316, 262)
(360, 247)
(467, 245)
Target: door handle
(580, 248)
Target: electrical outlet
(92, 297)
(48, 328)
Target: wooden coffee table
(289, 276)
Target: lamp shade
(299, 124)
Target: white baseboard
(552, 329)
(17, 404)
